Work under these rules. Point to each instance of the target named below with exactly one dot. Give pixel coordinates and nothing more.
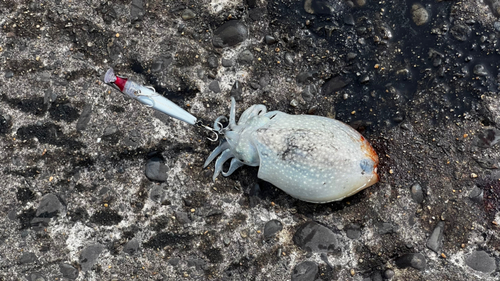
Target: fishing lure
(312, 158)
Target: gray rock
(271, 228)
(35, 276)
(353, 231)
(417, 193)
(110, 130)
(188, 14)
(435, 241)
(289, 58)
(334, 84)
(318, 7)
(227, 62)
(388, 274)
(9, 74)
(131, 247)
(245, 57)
(182, 217)
(156, 193)
(229, 34)
(476, 195)
(488, 138)
(214, 86)
(28, 257)
(419, 14)
(49, 206)
(197, 263)
(479, 70)
(314, 237)
(481, 261)
(305, 271)
(415, 260)
(349, 20)
(304, 77)
(89, 256)
(460, 32)
(68, 271)
(174, 261)
(84, 118)
(156, 170)
(270, 40)
(213, 62)
(384, 228)
(136, 10)
(157, 66)
(351, 56)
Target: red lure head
(110, 77)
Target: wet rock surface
(97, 187)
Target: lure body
(149, 97)
(312, 158)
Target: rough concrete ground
(98, 187)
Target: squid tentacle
(226, 154)
(224, 145)
(235, 164)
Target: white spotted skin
(312, 158)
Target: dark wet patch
(164, 239)
(25, 218)
(80, 73)
(35, 106)
(48, 133)
(61, 110)
(196, 199)
(5, 125)
(106, 217)
(160, 223)
(78, 214)
(214, 255)
(24, 195)
(116, 108)
(28, 172)
(23, 66)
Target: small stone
(415, 260)
(318, 7)
(156, 170)
(28, 257)
(351, 56)
(488, 138)
(349, 19)
(334, 84)
(294, 103)
(157, 66)
(388, 274)
(182, 217)
(229, 34)
(89, 255)
(314, 237)
(214, 86)
(353, 231)
(68, 271)
(188, 14)
(419, 14)
(131, 247)
(270, 40)
(435, 241)
(174, 261)
(481, 261)
(305, 271)
(110, 130)
(473, 175)
(156, 193)
(479, 70)
(271, 228)
(384, 228)
(417, 193)
(460, 32)
(9, 74)
(304, 77)
(49, 206)
(476, 195)
(245, 57)
(227, 62)
(213, 62)
(84, 118)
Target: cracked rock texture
(96, 186)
